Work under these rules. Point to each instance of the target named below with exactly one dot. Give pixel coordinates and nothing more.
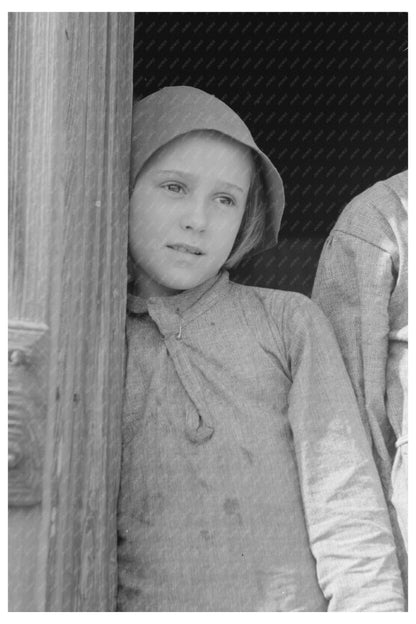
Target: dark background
(324, 95)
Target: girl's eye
(226, 200)
(174, 187)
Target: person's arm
(352, 286)
(345, 510)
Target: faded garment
(247, 479)
(361, 285)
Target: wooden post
(70, 98)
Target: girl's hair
(253, 224)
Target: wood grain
(70, 122)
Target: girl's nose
(195, 217)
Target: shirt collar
(186, 305)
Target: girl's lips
(184, 248)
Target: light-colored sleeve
(345, 510)
(352, 286)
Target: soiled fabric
(361, 285)
(247, 483)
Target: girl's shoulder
(269, 298)
(283, 309)
(291, 322)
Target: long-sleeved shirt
(248, 483)
(361, 285)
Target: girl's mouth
(188, 249)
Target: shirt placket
(198, 426)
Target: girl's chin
(171, 282)
(181, 284)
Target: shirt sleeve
(353, 285)
(345, 511)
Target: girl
(247, 481)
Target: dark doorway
(324, 95)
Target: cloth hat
(174, 111)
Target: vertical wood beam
(70, 85)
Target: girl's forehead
(205, 153)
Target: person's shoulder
(261, 294)
(374, 214)
(273, 302)
(383, 198)
(289, 319)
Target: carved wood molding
(27, 410)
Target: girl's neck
(146, 288)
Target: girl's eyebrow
(186, 174)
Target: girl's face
(185, 212)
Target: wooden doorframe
(70, 98)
